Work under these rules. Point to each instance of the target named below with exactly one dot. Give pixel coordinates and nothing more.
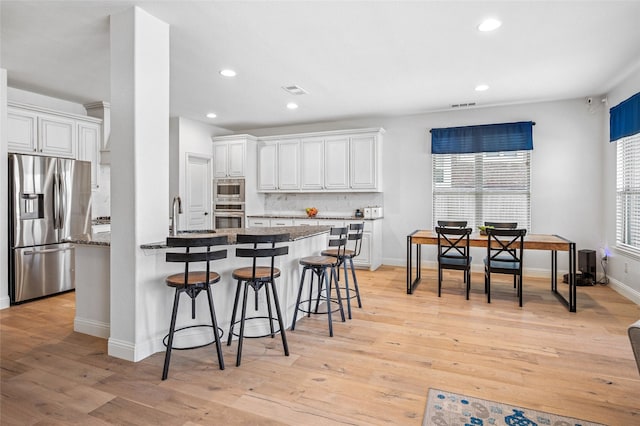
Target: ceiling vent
(470, 104)
(294, 90)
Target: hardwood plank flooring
(377, 368)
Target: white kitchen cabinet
(22, 131)
(363, 162)
(89, 143)
(57, 136)
(339, 161)
(336, 163)
(281, 222)
(312, 164)
(36, 130)
(305, 222)
(289, 165)
(229, 156)
(267, 166)
(254, 222)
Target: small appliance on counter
(373, 212)
(359, 214)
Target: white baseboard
(121, 349)
(625, 290)
(5, 302)
(91, 327)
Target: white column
(4, 190)
(139, 172)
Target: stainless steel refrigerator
(49, 203)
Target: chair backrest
(355, 234)
(453, 223)
(338, 239)
(453, 242)
(264, 246)
(200, 256)
(506, 244)
(502, 225)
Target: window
(483, 186)
(628, 193)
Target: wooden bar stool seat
(192, 283)
(262, 272)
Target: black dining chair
(191, 283)
(504, 225)
(453, 223)
(453, 253)
(505, 248)
(258, 276)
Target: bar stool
(355, 234)
(192, 283)
(258, 277)
(318, 265)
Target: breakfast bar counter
(95, 303)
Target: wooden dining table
(553, 243)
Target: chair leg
(273, 333)
(242, 320)
(280, 321)
(355, 283)
(233, 315)
(467, 274)
(488, 286)
(215, 328)
(313, 277)
(321, 272)
(346, 286)
(295, 312)
(327, 285)
(172, 328)
(520, 288)
(439, 281)
(339, 296)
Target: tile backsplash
(332, 204)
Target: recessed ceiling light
(489, 25)
(482, 87)
(228, 73)
(211, 115)
(292, 105)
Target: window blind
(628, 193)
(484, 186)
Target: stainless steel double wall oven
(228, 203)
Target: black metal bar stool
(258, 277)
(318, 266)
(355, 235)
(192, 283)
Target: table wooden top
(531, 241)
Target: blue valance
(624, 118)
(483, 138)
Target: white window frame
(628, 195)
(470, 194)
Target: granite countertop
(301, 216)
(98, 239)
(295, 232)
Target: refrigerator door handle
(56, 250)
(56, 201)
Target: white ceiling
(366, 58)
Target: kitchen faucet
(174, 214)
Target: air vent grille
(465, 105)
(295, 90)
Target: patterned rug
(450, 409)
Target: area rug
(450, 409)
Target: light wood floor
(376, 370)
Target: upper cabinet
(344, 161)
(229, 156)
(36, 130)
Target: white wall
(566, 171)
(627, 283)
(4, 187)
